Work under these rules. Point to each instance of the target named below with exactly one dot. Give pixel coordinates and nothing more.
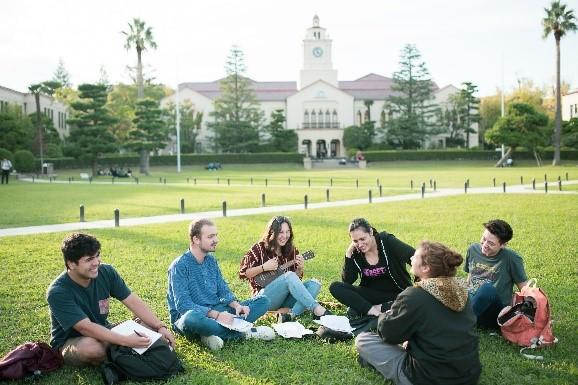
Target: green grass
(545, 229)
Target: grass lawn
(545, 228)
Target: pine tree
(61, 75)
(150, 132)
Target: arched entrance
(335, 148)
(306, 143)
(321, 149)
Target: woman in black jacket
(379, 260)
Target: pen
(137, 333)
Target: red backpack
(527, 321)
(29, 359)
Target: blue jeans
(486, 305)
(288, 291)
(195, 324)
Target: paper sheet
(291, 330)
(129, 327)
(239, 324)
(336, 322)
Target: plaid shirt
(258, 255)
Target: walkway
(125, 222)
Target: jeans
(359, 298)
(288, 291)
(194, 324)
(385, 358)
(486, 305)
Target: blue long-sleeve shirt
(195, 286)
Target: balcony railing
(307, 125)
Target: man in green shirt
(79, 305)
(493, 269)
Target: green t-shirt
(503, 270)
(70, 302)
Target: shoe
(264, 333)
(109, 374)
(327, 312)
(284, 317)
(214, 343)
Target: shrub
(24, 161)
(4, 153)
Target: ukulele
(267, 277)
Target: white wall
(570, 105)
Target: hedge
(394, 155)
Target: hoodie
(437, 320)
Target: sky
(488, 42)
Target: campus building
(318, 106)
(570, 105)
(55, 110)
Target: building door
(335, 148)
(306, 143)
(321, 149)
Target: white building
(317, 106)
(55, 110)
(570, 105)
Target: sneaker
(264, 333)
(327, 312)
(212, 342)
(284, 317)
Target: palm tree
(558, 21)
(140, 37)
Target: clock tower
(317, 63)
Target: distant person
(379, 261)
(428, 336)
(6, 166)
(199, 298)
(359, 156)
(493, 270)
(79, 302)
(274, 249)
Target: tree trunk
(39, 128)
(144, 162)
(139, 77)
(538, 158)
(558, 124)
(504, 158)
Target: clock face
(317, 51)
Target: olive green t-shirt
(502, 270)
(70, 302)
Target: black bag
(331, 335)
(158, 362)
(363, 324)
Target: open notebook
(239, 324)
(129, 327)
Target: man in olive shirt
(493, 269)
(79, 305)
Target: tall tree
(61, 75)
(139, 36)
(280, 138)
(150, 132)
(524, 126)
(47, 88)
(411, 104)
(558, 21)
(237, 116)
(190, 123)
(469, 113)
(16, 129)
(91, 122)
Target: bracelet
(161, 326)
(218, 314)
(263, 267)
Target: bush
(53, 151)
(4, 153)
(24, 161)
(396, 155)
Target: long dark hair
(272, 230)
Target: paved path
(124, 222)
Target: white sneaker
(264, 333)
(212, 342)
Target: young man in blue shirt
(199, 299)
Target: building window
(306, 119)
(320, 119)
(327, 119)
(335, 121)
(359, 118)
(313, 119)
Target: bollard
(494, 182)
(251, 180)
(377, 182)
(194, 180)
(369, 195)
(81, 213)
(380, 191)
(289, 181)
(423, 189)
(468, 182)
(521, 179)
(357, 183)
(504, 186)
(559, 185)
(263, 200)
(224, 208)
(566, 177)
(116, 217)
(218, 180)
(182, 205)
(533, 183)
(465, 187)
(266, 182)
(430, 183)
(327, 195)
(305, 201)
(411, 184)
(331, 182)
(546, 187)
(90, 179)
(309, 182)
(164, 180)
(228, 181)
(187, 180)
(545, 177)
(559, 179)
(160, 180)
(69, 180)
(136, 179)
(435, 186)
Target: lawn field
(545, 229)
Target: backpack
(158, 362)
(526, 322)
(29, 359)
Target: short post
(263, 200)
(289, 181)
(465, 187)
(81, 213)
(533, 183)
(187, 180)
(545, 177)
(251, 180)
(50, 179)
(224, 208)
(521, 179)
(164, 180)
(182, 205)
(411, 184)
(69, 180)
(309, 182)
(136, 179)
(468, 182)
(566, 177)
(357, 183)
(369, 195)
(331, 182)
(423, 189)
(116, 217)
(266, 182)
(559, 179)
(559, 185)
(546, 187)
(377, 182)
(504, 186)
(327, 194)
(494, 182)
(218, 180)
(160, 180)
(380, 191)
(90, 179)
(194, 180)
(228, 181)
(430, 183)
(305, 201)
(435, 185)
